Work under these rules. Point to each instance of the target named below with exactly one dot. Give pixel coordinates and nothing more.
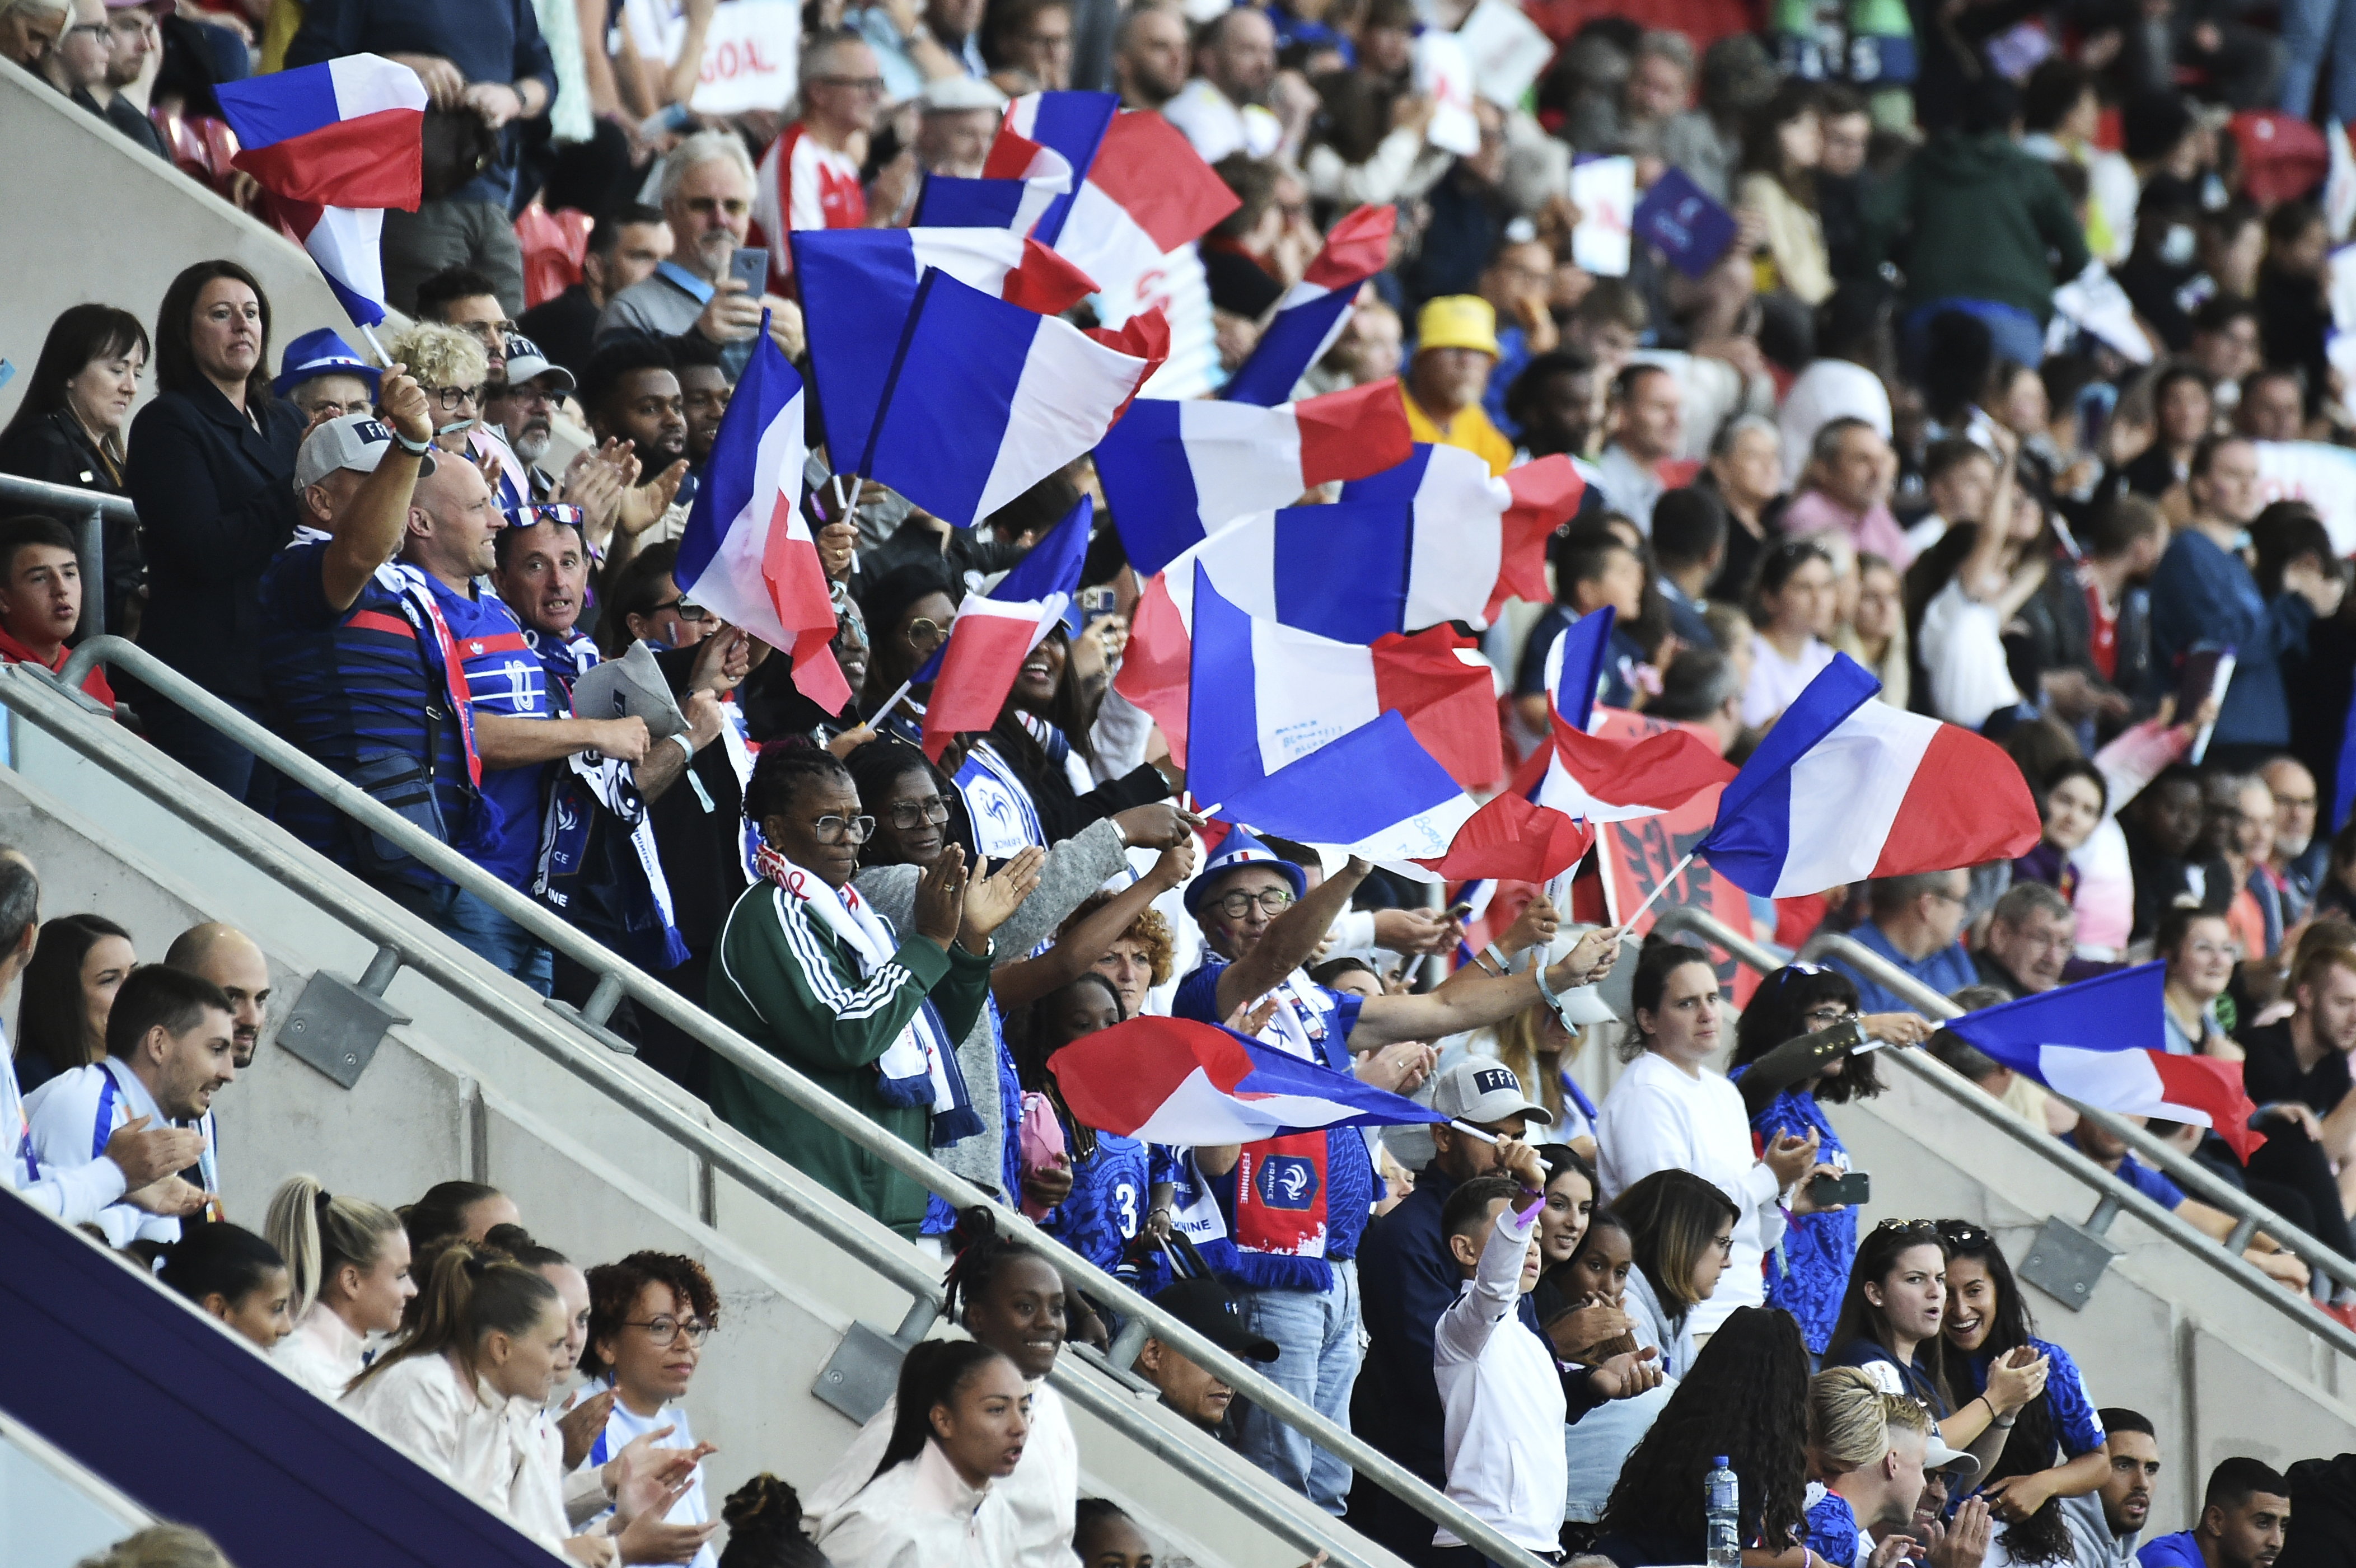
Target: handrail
(23, 689)
(97, 509)
(2053, 1151)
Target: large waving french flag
(747, 551)
(1844, 788)
(2103, 1043)
(1176, 472)
(985, 397)
(1599, 780)
(859, 286)
(994, 633)
(1311, 315)
(335, 144)
(1174, 1081)
(1489, 534)
(1312, 739)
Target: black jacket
(55, 449)
(216, 498)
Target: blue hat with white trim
(1239, 850)
(321, 353)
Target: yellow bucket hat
(1456, 321)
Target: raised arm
(1468, 1004)
(369, 531)
(1290, 939)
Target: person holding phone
(1796, 1049)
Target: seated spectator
(1223, 108)
(2073, 800)
(1796, 1048)
(325, 376)
(1874, 634)
(1670, 1112)
(1658, 88)
(2244, 1517)
(347, 1274)
(1035, 37)
(962, 1422)
(2056, 1447)
(2294, 311)
(2241, 825)
(765, 1527)
(2019, 1093)
(1736, 79)
(29, 28)
(794, 942)
(2162, 826)
(454, 371)
(2103, 1525)
(82, 65)
(625, 246)
(2111, 1152)
(1703, 686)
(2296, 1071)
(456, 1212)
(630, 396)
(1959, 481)
(1781, 145)
(168, 1054)
(1745, 1401)
(1916, 922)
(40, 599)
(1595, 568)
(1214, 1311)
(1519, 285)
(1964, 592)
(1690, 529)
(1746, 472)
(2031, 934)
(231, 1275)
(2297, 858)
(1846, 487)
(158, 1545)
(1552, 403)
(1793, 605)
(208, 464)
(69, 426)
(79, 963)
(231, 960)
(1639, 459)
(2200, 950)
(462, 297)
(648, 1317)
(1150, 56)
(704, 387)
(2273, 405)
(1456, 349)
(519, 410)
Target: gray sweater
(1074, 869)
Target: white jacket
(920, 1514)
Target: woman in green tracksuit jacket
(808, 970)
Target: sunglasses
(543, 512)
(688, 610)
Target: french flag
(2101, 1043)
(1450, 488)
(1174, 1081)
(1142, 190)
(747, 552)
(1174, 472)
(1844, 788)
(985, 399)
(1370, 748)
(1020, 182)
(859, 288)
(1311, 315)
(1597, 780)
(335, 144)
(994, 633)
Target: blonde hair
(161, 1546)
(441, 355)
(1908, 1414)
(319, 1233)
(1848, 1424)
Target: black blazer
(215, 500)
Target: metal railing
(2114, 1196)
(95, 509)
(55, 704)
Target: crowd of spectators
(1999, 388)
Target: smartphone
(1851, 1190)
(1095, 603)
(1459, 911)
(751, 265)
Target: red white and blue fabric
(1021, 180)
(1844, 788)
(986, 398)
(335, 144)
(747, 552)
(803, 184)
(2103, 1043)
(1311, 315)
(1052, 568)
(1173, 1081)
(1312, 738)
(859, 285)
(1457, 501)
(987, 645)
(1177, 471)
(1599, 780)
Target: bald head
(231, 960)
(451, 521)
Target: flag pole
(370, 333)
(1470, 1131)
(1660, 888)
(893, 701)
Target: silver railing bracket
(336, 1026)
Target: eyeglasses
(1965, 1236)
(1944, 896)
(1829, 1016)
(1237, 905)
(543, 512)
(906, 815)
(1913, 1227)
(688, 610)
(831, 829)
(924, 633)
(665, 1330)
(453, 396)
(101, 29)
(1725, 1244)
(854, 83)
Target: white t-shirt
(1659, 1118)
(1216, 127)
(1963, 650)
(1829, 390)
(1501, 1401)
(1776, 681)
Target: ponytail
(319, 1233)
(223, 1259)
(470, 1293)
(931, 1376)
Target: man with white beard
(523, 408)
(2300, 859)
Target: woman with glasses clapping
(649, 1317)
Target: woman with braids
(648, 1317)
(932, 1497)
(1796, 1049)
(1888, 1325)
(1012, 1302)
(348, 1263)
(764, 1528)
(912, 811)
(809, 970)
(1746, 1398)
(2055, 1450)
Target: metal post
(604, 1000)
(378, 977)
(94, 575)
(1127, 1343)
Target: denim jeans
(480, 930)
(1316, 1338)
(210, 755)
(2318, 39)
(2015, 333)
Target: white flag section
(1441, 73)
(751, 51)
(2322, 476)
(1604, 191)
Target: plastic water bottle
(1722, 1506)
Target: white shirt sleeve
(73, 1184)
(1464, 1331)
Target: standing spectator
(1875, 635)
(2244, 1517)
(917, 45)
(1846, 487)
(2202, 596)
(1148, 62)
(2298, 858)
(2186, 411)
(462, 297)
(1223, 109)
(957, 118)
(1035, 36)
(1966, 590)
(707, 198)
(704, 389)
(210, 463)
(2241, 834)
(325, 378)
(1706, 141)
(630, 397)
(2273, 405)
(1647, 430)
(2072, 801)
(1689, 546)
(79, 963)
(2062, 114)
(2123, 550)
(1916, 920)
(1659, 89)
(809, 178)
(625, 246)
(1845, 184)
(1747, 471)
(2162, 827)
(2294, 310)
(68, 431)
(1793, 602)
(1552, 403)
(1455, 351)
(522, 411)
(1516, 284)
(1782, 146)
(487, 67)
(1844, 381)
(1680, 1232)
(1593, 566)
(453, 372)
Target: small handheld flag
(1312, 314)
